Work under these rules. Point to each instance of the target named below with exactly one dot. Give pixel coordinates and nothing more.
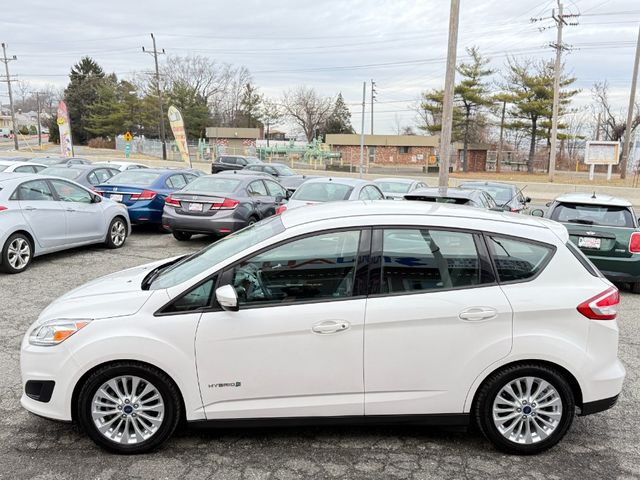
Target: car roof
(396, 179)
(76, 167)
(166, 171)
(242, 176)
(354, 182)
(4, 176)
(476, 183)
(593, 199)
(451, 192)
(16, 163)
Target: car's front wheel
(525, 409)
(128, 407)
(117, 233)
(17, 254)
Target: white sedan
(345, 312)
(9, 166)
(122, 165)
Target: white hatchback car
(344, 312)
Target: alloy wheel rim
(19, 253)
(118, 233)
(127, 410)
(527, 410)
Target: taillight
(280, 209)
(634, 243)
(227, 204)
(601, 307)
(144, 195)
(2, 208)
(172, 201)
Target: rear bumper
(216, 224)
(597, 406)
(618, 269)
(144, 215)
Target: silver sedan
(43, 214)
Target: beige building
(5, 124)
(229, 140)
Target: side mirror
(96, 199)
(289, 193)
(538, 212)
(548, 204)
(527, 199)
(279, 198)
(227, 298)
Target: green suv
(605, 228)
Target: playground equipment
(316, 154)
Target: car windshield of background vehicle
(253, 160)
(394, 187)
(322, 192)
(500, 194)
(605, 215)
(134, 177)
(284, 171)
(211, 184)
(64, 172)
(217, 252)
(3, 167)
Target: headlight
(56, 331)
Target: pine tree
(86, 77)
(340, 119)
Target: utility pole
(373, 97)
(13, 113)
(499, 157)
(364, 97)
(39, 122)
(155, 54)
(447, 104)
(632, 98)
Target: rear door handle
(70, 210)
(29, 209)
(330, 326)
(478, 314)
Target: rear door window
(176, 181)
(228, 160)
(518, 259)
(582, 214)
(36, 190)
(257, 189)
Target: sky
(330, 45)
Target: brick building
(402, 150)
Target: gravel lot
(606, 445)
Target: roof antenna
(594, 194)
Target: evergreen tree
(86, 77)
(193, 108)
(250, 106)
(340, 119)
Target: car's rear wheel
(252, 220)
(525, 409)
(128, 408)
(17, 254)
(117, 233)
(181, 236)
(635, 287)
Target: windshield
(322, 192)
(217, 252)
(606, 215)
(134, 177)
(284, 171)
(64, 172)
(253, 161)
(394, 187)
(499, 193)
(212, 184)
(3, 167)
(49, 161)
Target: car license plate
(195, 207)
(116, 197)
(588, 242)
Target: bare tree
(307, 109)
(23, 92)
(613, 124)
(270, 114)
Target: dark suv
(232, 162)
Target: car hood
(299, 203)
(116, 295)
(294, 181)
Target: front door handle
(29, 209)
(70, 210)
(330, 326)
(478, 314)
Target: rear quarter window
(516, 259)
(581, 257)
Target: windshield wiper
(153, 274)
(580, 220)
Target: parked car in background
(605, 229)
(41, 214)
(221, 204)
(232, 162)
(86, 175)
(506, 195)
(396, 188)
(9, 166)
(68, 161)
(287, 177)
(332, 189)
(121, 165)
(457, 196)
(344, 312)
(143, 191)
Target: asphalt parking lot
(603, 446)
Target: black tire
(635, 287)
(181, 236)
(117, 228)
(163, 384)
(487, 393)
(252, 219)
(17, 239)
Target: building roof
(230, 132)
(593, 199)
(337, 139)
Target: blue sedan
(143, 191)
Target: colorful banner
(66, 144)
(177, 127)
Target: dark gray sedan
(456, 196)
(506, 195)
(287, 177)
(221, 204)
(68, 161)
(86, 175)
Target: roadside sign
(602, 153)
(128, 137)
